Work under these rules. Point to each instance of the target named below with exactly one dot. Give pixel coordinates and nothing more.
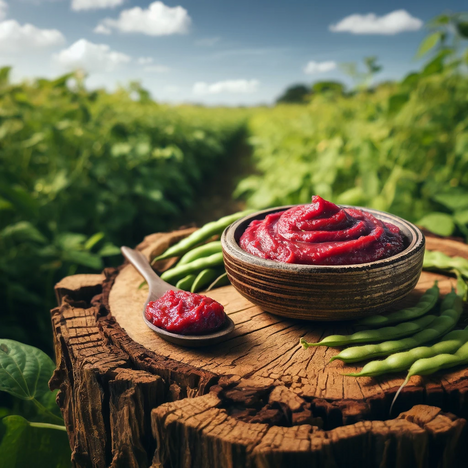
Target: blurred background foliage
(400, 147)
(83, 172)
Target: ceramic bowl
(324, 292)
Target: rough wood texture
(256, 400)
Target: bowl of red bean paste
(323, 261)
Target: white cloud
(157, 69)
(207, 41)
(157, 20)
(393, 23)
(3, 9)
(15, 37)
(90, 57)
(145, 60)
(319, 67)
(78, 5)
(228, 86)
(101, 29)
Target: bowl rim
(231, 246)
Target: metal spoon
(157, 287)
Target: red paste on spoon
(186, 313)
(322, 233)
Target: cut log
(257, 399)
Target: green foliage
(24, 373)
(296, 94)
(400, 147)
(84, 172)
(328, 87)
(42, 442)
(24, 443)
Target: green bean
(204, 278)
(204, 250)
(201, 235)
(186, 282)
(451, 310)
(380, 334)
(222, 280)
(442, 361)
(425, 304)
(430, 365)
(175, 274)
(439, 261)
(403, 361)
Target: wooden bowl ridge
(324, 292)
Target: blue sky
(211, 51)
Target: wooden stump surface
(257, 399)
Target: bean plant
(83, 172)
(399, 146)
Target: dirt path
(216, 199)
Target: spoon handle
(156, 285)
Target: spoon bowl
(157, 287)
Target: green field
(84, 172)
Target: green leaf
(438, 223)
(5, 205)
(22, 232)
(437, 64)
(455, 200)
(353, 196)
(434, 259)
(441, 20)
(461, 217)
(4, 75)
(23, 201)
(411, 80)
(93, 240)
(29, 444)
(396, 102)
(70, 241)
(83, 258)
(108, 250)
(429, 43)
(25, 372)
(462, 28)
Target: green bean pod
(437, 328)
(426, 303)
(398, 362)
(222, 280)
(205, 278)
(380, 334)
(201, 235)
(428, 366)
(186, 282)
(442, 361)
(439, 261)
(175, 274)
(204, 250)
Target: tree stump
(130, 399)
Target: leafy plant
(84, 172)
(41, 442)
(399, 146)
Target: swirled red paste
(322, 233)
(186, 313)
